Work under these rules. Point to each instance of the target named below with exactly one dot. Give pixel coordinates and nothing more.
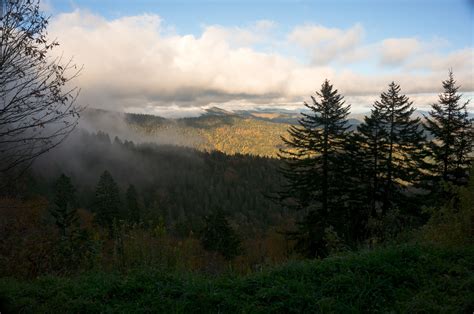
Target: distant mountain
(216, 111)
(277, 116)
(255, 132)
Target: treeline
(367, 185)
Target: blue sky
(450, 19)
(415, 42)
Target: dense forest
(230, 211)
(177, 184)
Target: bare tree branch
(38, 107)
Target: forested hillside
(218, 130)
(180, 185)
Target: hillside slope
(403, 279)
(216, 130)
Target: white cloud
(326, 44)
(134, 62)
(459, 60)
(129, 58)
(240, 36)
(395, 51)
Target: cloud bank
(137, 64)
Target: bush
(402, 279)
(453, 223)
(30, 245)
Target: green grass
(401, 279)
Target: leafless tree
(37, 103)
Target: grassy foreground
(397, 279)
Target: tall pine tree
(107, 201)
(218, 236)
(371, 138)
(452, 130)
(394, 146)
(314, 162)
(63, 211)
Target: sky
(176, 57)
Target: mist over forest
(244, 161)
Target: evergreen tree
(393, 147)
(75, 246)
(218, 236)
(372, 138)
(356, 183)
(313, 167)
(107, 201)
(132, 204)
(63, 210)
(449, 123)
